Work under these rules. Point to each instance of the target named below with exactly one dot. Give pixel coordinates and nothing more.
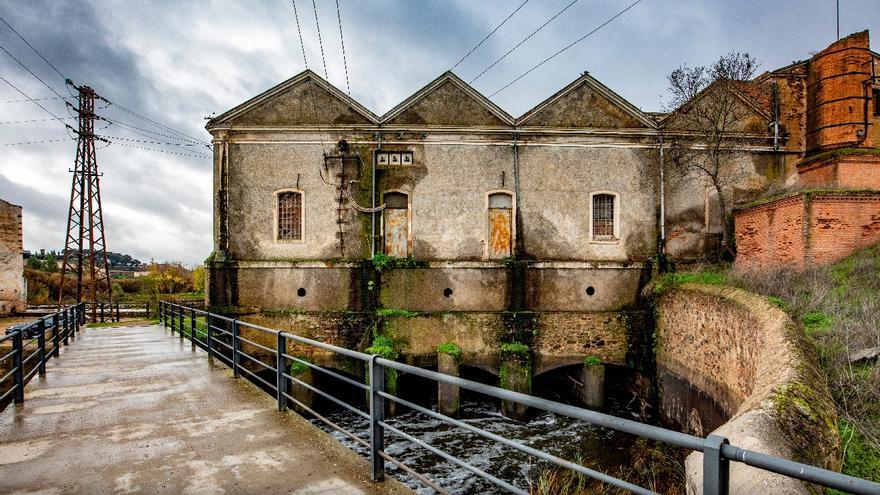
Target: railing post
(180, 321)
(102, 312)
(208, 339)
(280, 367)
(82, 316)
(56, 327)
(147, 310)
(377, 414)
(41, 346)
(69, 325)
(117, 311)
(192, 326)
(236, 343)
(18, 368)
(716, 469)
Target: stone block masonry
(808, 228)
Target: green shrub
(816, 321)
(450, 348)
(592, 361)
(514, 348)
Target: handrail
(717, 452)
(62, 326)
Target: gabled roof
(280, 89)
(479, 102)
(587, 80)
(753, 94)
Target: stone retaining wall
(739, 350)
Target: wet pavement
(134, 410)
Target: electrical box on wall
(394, 158)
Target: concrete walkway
(133, 410)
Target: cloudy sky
(176, 62)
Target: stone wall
(749, 357)
(806, 229)
(12, 288)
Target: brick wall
(836, 93)
(12, 297)
(813, 228)
(847, 172)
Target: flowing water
(595, 447)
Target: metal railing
(29, 353)
(221, 337)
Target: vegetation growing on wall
(451, 349)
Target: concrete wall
(744, 353)
(12, 289)
(806, 229)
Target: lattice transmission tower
(85, 250)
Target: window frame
(488, 226)
(615, 238)
(409, 226)
(302, 218)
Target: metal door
(500, 225)
(395, 222)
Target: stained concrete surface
(134, 410)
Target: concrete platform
(133, 410)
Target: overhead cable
(573, 43)
(468, 54)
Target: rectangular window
(290, 216)
(603, 216)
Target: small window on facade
(603, 216)
(290, 213)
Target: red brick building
(830, 106)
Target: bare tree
(709, 110)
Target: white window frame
(302, 219)
(616, 219)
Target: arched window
(290, 216)
(500, 243)
(604, 217)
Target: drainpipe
(775, 116)
(516, 191)
(662, 196)
(373, 196)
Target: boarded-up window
(876, 102)
(500, 225)
(395, 223)
(603, 216)
(290, 213)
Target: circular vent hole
(301, 292)
(447, 292)
(590, 290)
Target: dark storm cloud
(177, 62)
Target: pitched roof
(283, 87)
(448, 78)
(587, 80)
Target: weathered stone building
(539, 229)
(832, 103)
(13, 296)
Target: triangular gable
(448, 100)
(586, 103)
(305, 99)
(751, 100)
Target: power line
(32, 48)
(129, 128)
(35, 99)
(344, 61)
(160, 151)
(38, 104)
(542, 26)
(42, 141)
(299, 30)
(575, 42)
(144, 141)
(468, 54)
(13, 57)
(157, 124)
(10, 122)
(320, 43)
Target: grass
(514, 348)
(450, 348)
(838, 307)
(392, 312)
(668, 281)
